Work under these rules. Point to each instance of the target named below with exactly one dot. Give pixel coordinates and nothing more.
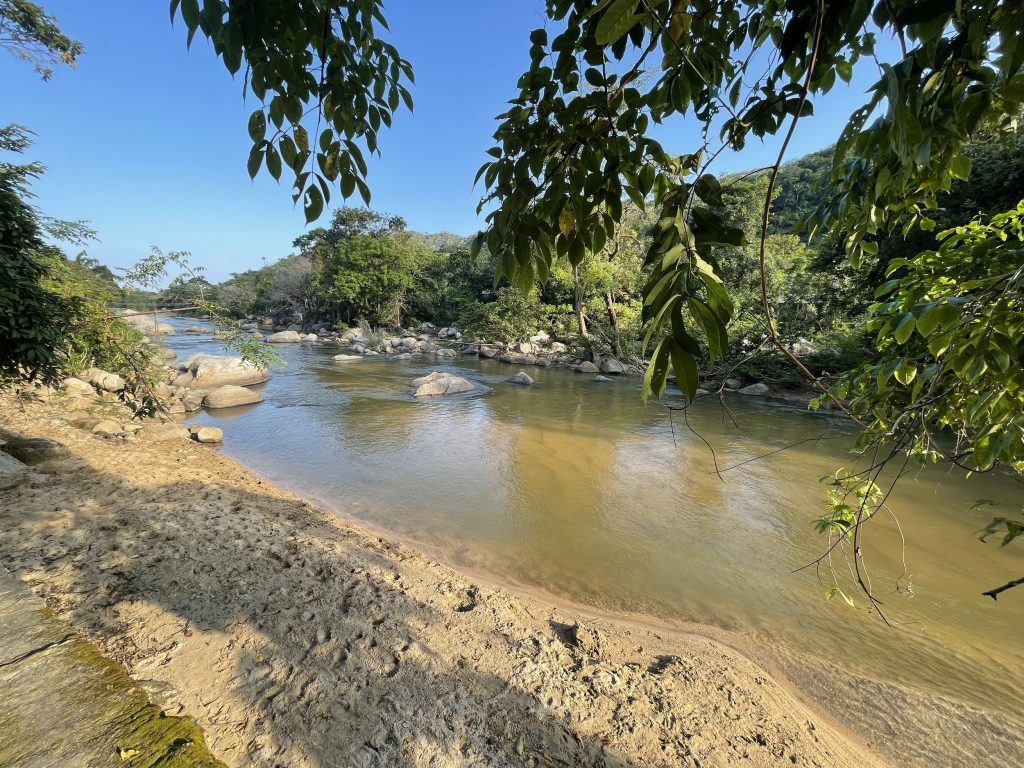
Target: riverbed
(575, 487)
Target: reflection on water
(574, 486)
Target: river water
(575, 487)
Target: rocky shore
(295, 639)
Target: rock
(755, 389)
(521, 378)
(701, 393)
(733, 383)
(75, 386)
(35, 450)
(249, 326)
(148, 324)
(426, 327)
(12, 472)
(541, 337)
(218, 370)
(613, 366)
(231, 396)
(163, 353)
(519, 359)
(159, 433)
(403, 356)
(440, 383)
(489, 350)
(411, 342)
(192, 401)
(195, 329)
(802, 347)
(106, 427)
(446, 352)
(108, 382)
(209, 435)
(586, 367)
(345, 358)
(601, 378)
(359, 349)
(524, 347)
(284, 337)
(559, 347)
(311, 337)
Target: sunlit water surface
(575, 487)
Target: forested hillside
(368, 267)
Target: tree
(565, 157)
(316, 64)
(31, 34)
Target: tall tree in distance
(31, 34)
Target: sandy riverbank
(295, 639)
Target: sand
(296, 639)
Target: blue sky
(147, 141)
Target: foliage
(949, 329)
(512, 316)
(32, 35)
(313, 64)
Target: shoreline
(298, 636)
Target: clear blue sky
(147, 141)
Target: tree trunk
(577, 304)
(613, 321)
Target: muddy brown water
(575, 487)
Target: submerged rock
(601, 378)
(586, 367)
(522, 378)
(231, 396)
(284, 337)
(345, 358)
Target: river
(575, 487)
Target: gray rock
(489, 350)
(231, 396)
(345, 358)
(311, 337)
(192, 401)
(12, 472)
(217, 371)
(284, 337)
(36, 450)
(195, 329)
(586, 367)
(601, 378)
(558, 347)
(525, 347)
(518, 359)
(403, 356)
(613, 366)
(446, 352)
(108, 382)
(440, 383)
(521, 378)
(733, 383)
(541, 337)
(755, 389)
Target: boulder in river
(345, 358)
(602, 378)
(231, 396)
(440, 383)
(522, 378)
(217, 371)
(284, 337)
(209, 435)
(755, 389)
(586, 367)
(197, 330)
(613, 366)
(733, 384)
(446, 352)
(518, 358)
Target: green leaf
(257, 126)
(314, 205)
(685, 366)
(904, 328)
(255, 161)
(616, 21)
